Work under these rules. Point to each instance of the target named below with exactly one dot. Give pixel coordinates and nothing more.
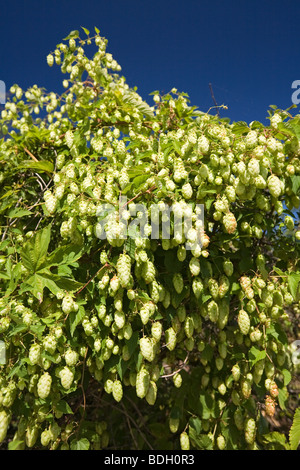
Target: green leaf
(73, 34)
(85, 30)
(276, 441)
(131, 97)
(13, 445)
(240, 128)
(35, 250)
(40, 281)
(75, 319)
(16, 213)
(63, 407)
(200, 441)
(283, 396)
(295, 183)
(287, 377)
(294, 434)
(256, 355)
(133, 342)
(195, 423)
(293, 282)
(276, 331)
(82, 444)
(41, 166)
(139, 181)
(65, 255)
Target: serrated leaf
(240, 128)
(16, 213)
(276, 440)
(283, 396)
(256, 355)
(139, 180)
(293, 282)
(64, 407)
(132, 98)
(294, 434)
(276, 331)
(75, 319)
(73, 34)
(287, 377)
(200, 441)
(133, 342)
(13, 445)
(41, 166)
(35, 250)
(64, 255)
(82, 444)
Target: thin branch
(30, 154)
(176, 371)
(129, 426)
(214, 99)
(132, 420)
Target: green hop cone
(197, 286)
(236, 372)
(66, 377)
(142, 382)
(174, 424)
(177, 380)
(31, 434)
(244, 322)
(170, 338)
(156, 330)
(229, 222)
(147, 348)
(250, 430)
(239, 419)
(124, 269)
(151, 393)
(178, 283)
(184, 441)
(221, 443)
(44, 385)
(34, 354)
(274, 185)
(71, 357)
(117, 390)
(4, 422)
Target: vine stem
(87, 283)
(176, 371)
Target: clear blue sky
(247, 50)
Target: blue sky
(247, 50)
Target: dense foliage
(116, 338)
